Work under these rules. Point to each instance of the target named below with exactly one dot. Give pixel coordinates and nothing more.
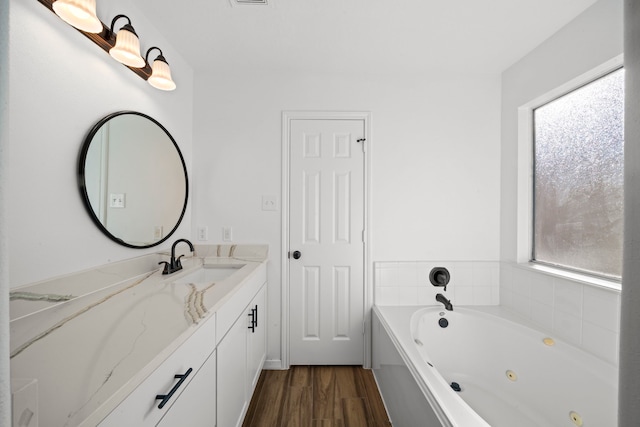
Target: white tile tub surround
(407, 282)
(584, 315)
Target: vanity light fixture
(160, 72)
(80, 14)
(124, 45)
(127, 47)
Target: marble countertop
(89, 352)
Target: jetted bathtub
(480, 367)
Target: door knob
(296, 254)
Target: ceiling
(358, 36)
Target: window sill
(585, 279)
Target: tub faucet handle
(439, 276)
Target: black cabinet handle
(165, 397)
(254, 319)
(252, 325)
(255, 316)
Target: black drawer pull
(252, 325)
(165, 397)
(255, 316)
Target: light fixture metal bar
(106, 40)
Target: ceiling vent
(249, 2)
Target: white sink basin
(208, 274)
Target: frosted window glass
(578, 180)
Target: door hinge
(364, 236)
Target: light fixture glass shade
(79, 13)
(127, 48)
(161, 76)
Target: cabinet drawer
(196, 406)
(140, 408)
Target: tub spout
(447, 304)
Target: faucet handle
(439, 276)
(178, 262)
(166, 267)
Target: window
(578, 178)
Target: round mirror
(133, 179)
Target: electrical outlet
(203, 233)
(24, 395)
(157, 232)
(227, 234)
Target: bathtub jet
(447, 304)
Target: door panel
(311, 303)
(326, 222)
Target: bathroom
(452, 187)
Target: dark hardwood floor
(317, 396)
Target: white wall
(61, 85)
(629, 394)
(435, 161)
(581, 314)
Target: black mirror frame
(83, 188)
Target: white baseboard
(273, 365)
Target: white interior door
(326, 226)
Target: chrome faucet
(447, 304)
(174, 264)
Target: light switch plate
(269, 203)
(116, 200)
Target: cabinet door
(232, 372)
(257, 340)
(196, 406)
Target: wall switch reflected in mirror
(116, 200)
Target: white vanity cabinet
(225, 355)
(241, 355)
(184, 366)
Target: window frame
(525, 185)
